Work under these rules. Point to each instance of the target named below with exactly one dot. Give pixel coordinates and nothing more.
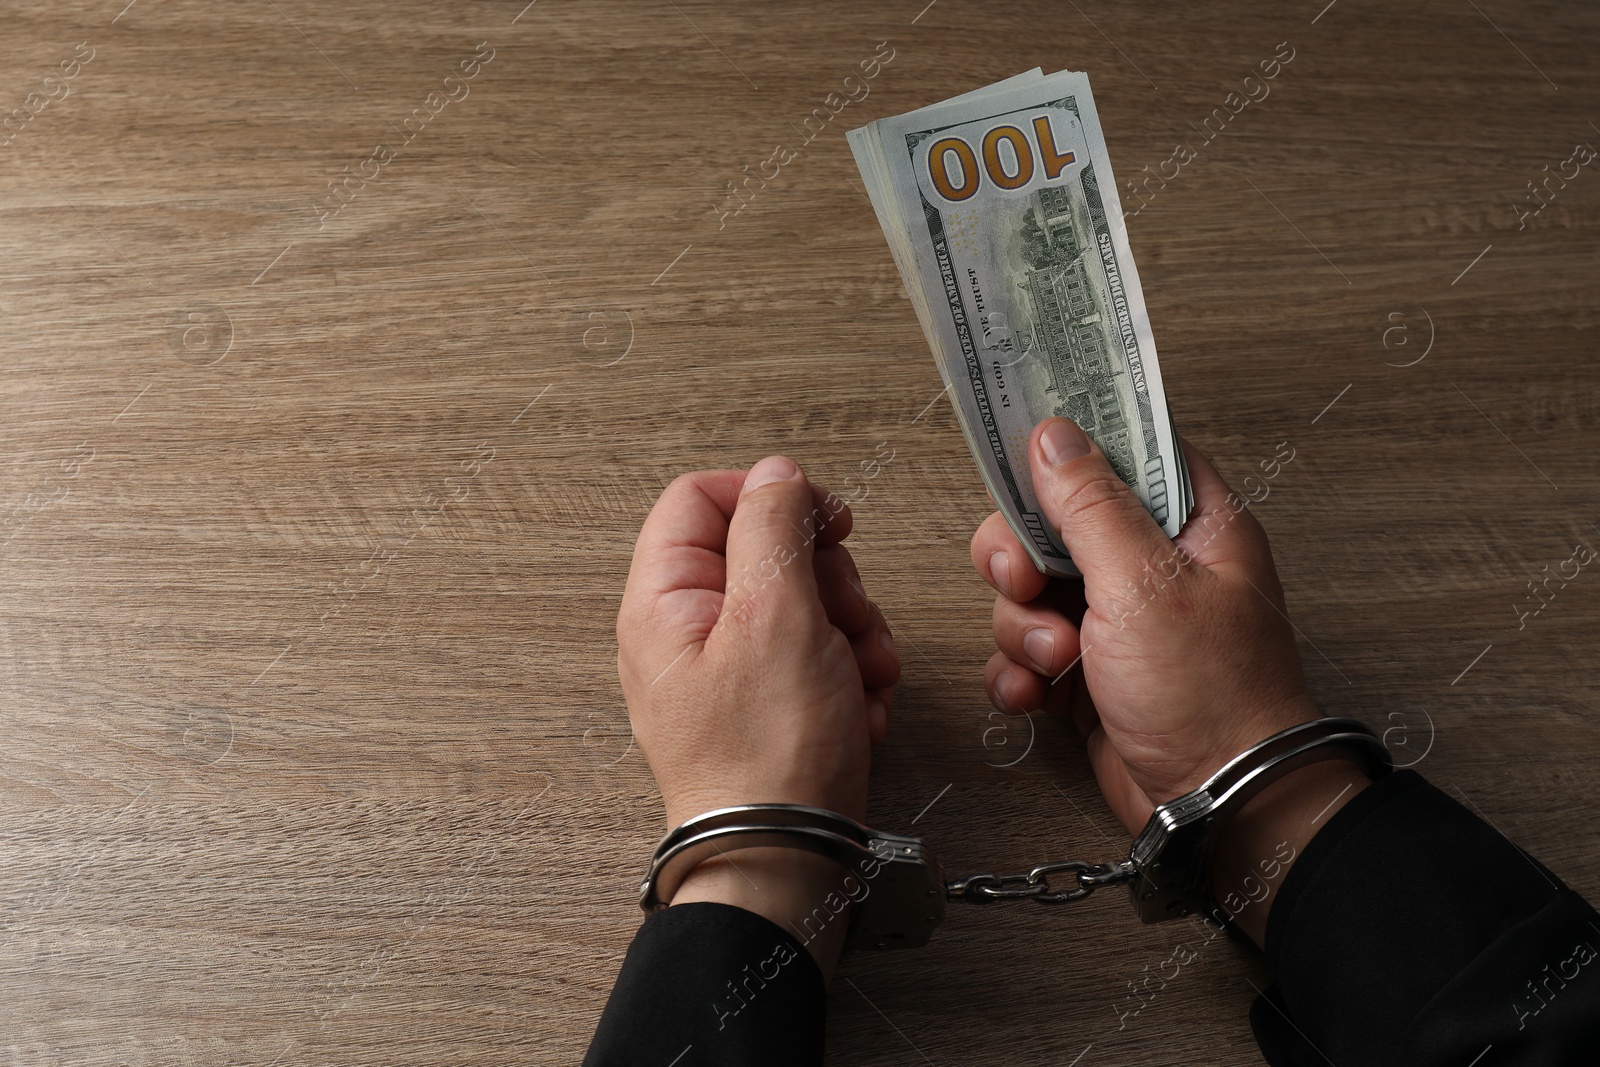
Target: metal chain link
(1035, 885)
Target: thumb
(770, 541)
(1111, 537)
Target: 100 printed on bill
(1001, 212)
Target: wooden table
(346, 347)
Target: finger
(830, 517)
(770, 544)
(1059, 694)
(1013, 687)
(1036, 636)
(876, 654)
(1065, 597)
(1003, 562)
(681, 543)
(1221, 528)
(1108, 532)
(1210, 491)
(693, 512)
(675, 584)
(880, 706)
(839, 585)
(1124, 797)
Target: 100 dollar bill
(1002, 214)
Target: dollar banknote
(1001, 212)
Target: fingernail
(771, 469)
(1040, 644)
(1000, 571)
(1003, 685)
(855, 583)
(886, 640)
(876, 709)
(1064, 442)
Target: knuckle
(1009, 615)
(1176, 599)
(835, 645)
(626, 625)
(1100, 498)
(840, 556)
(986, 540)
(681, 485)
(635, 625)
(1164, 582)
(1207, 526)
(832, 504)
(1251, 526)
(1120, 603)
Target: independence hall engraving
(1070, 331)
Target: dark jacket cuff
(1407, 932)
(733, 986)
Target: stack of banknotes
(1002, 214)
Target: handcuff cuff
(903, 890)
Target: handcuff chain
(1035, 884)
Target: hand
(1172, 656)
(756, 670)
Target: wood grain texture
(316, 523)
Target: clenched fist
(756, 670)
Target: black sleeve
(1411, 932)
(731, 986)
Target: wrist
(1252, 858)
(806, 894)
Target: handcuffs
(901, 889)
